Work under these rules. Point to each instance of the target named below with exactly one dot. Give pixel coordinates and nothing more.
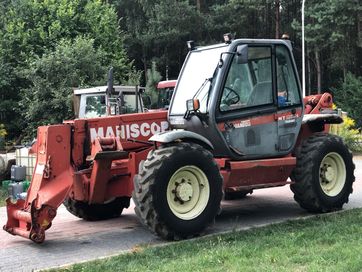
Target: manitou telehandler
(236, 123)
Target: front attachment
(31, 225)
(51, 182)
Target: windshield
(95, 106)
(130, 103)
(164, 97)
(200, 65)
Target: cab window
(95, 106)
(130, 103)
(164, 97)
(249, 84)
(288, 92)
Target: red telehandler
(236, 123)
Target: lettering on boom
(129, 130)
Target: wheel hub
(330, 174)
(327, 174)
(184, 191)
(188, 192)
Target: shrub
(3, 132)
(348, 96)
(350, 134)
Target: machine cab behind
(164, 93)
(96, 102)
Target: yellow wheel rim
(332, 174)
(188, 192)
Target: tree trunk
(359, 29)
(319, 71)
(277, 19)
(200, 5)
(144, 60)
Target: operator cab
(243, 96)
(165, 90)
(96, 102)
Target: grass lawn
(325, 243)
(3, 196)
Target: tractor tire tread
(145, 181)
(304, 192)
(96, 212)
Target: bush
(350, 135)
(48, 99)
(3, 133)
(348, 96)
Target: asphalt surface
(71, 239)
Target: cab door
(290, 108)
(249, 115)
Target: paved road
(72, 240)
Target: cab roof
(166, 84)
(102, 89)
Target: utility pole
(277, 19)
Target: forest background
(48, 47)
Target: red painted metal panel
(236, 165)
(257, 172)
(136, 126)
(166, 84)
(53, 172)
(314, 103)
(50, 185)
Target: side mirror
(242, 54)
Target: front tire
(324, 173)
(178, 190)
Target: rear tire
(178, 191)
(96, 212)
(324, 173)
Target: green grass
(3, 196)
(325, 243)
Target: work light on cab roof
(190, 45)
